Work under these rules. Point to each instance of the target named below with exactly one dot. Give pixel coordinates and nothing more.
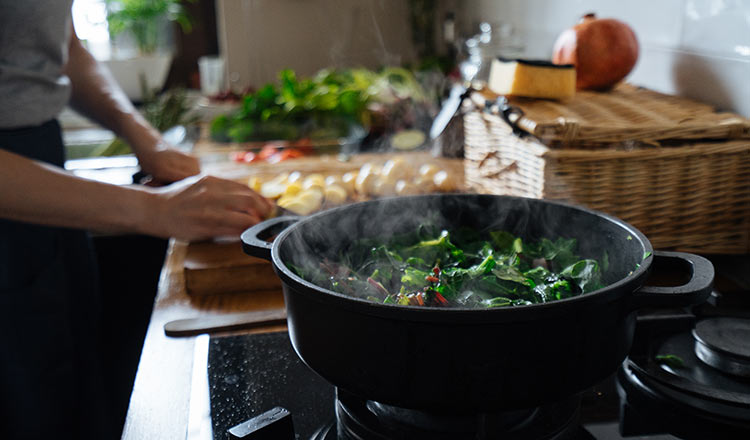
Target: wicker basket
(691, 195)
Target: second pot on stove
(469, 360)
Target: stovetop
(252, 374)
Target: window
(90, 22)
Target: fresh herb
(462, 269)
(670, 360)
(329, 105)
(646, 255)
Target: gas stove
(687, 376)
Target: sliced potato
(348, 181)
(285, 199)
(383, 187)
(335, 194)
(333, 180)
(314, 180)
(425, 184)
(366, 179)
(281, 178)
(314, 196)
(396, 169)
(445, 181)
(406, 188)
(272, 189)
(298, 206)
(294, 177)
(293, 188)
(255, 183)
(428, 170)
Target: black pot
(468, 360)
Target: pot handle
(695, 291)
(253, 239)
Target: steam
(326, 235)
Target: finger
(236, 221)
(259, 202)
(190, 166)
(248, 203)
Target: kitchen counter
(161, 394)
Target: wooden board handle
(222, 323)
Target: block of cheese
(532, 79)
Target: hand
(204, 207)
(166, 164)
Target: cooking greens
(461, 268)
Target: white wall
(694, 48)
(261, 37)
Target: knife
(449, 109)
(223, 323)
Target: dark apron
(50, 374)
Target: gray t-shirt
(34, 37)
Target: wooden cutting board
(213, 268)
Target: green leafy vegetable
(670, 360)
(430, 267)
(326, 106)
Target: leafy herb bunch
(325, 106)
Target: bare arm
(194, 208)
(96, 95)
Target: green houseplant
(143, 20)
(147, 23)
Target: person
(50, 373)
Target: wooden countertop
(160, 400)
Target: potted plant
(145, 26)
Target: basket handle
(511, 167)
(511, 114)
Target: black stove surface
(251, 374)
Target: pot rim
(609, 293)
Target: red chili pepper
(420, 298)
(267, 151)
(431, 279)
(303, 144)
(250, 157)
(238, 156)
(289, 153)
(441, 299)
(379, 287)
(436, 271)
